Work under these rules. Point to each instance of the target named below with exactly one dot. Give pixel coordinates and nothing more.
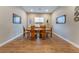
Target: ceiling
(39, 9)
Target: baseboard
(10, 39)
(74, 44)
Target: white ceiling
(39, 9)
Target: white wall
(46, 16)
(9, 30)
(70, 30)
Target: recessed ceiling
(39, 9)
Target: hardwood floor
(52, 45)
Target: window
(39, 20)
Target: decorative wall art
(61, 19)
(16, 19)
(76, 14)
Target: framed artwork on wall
(30, 21)
(16, 19)
(61, 19)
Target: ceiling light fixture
(46, 10)
(31, 10)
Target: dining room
(38, 29)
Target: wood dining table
(38, 29)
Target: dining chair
(33, 33)
(43, 31)
(26, 33)
(23, 31)
(49, 33)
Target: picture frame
(16, 19)
(61, 19)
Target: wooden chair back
(43, 31)
(23, 31)
(32, 32)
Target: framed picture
(61, 19)
(16, 19)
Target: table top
(38, 29)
